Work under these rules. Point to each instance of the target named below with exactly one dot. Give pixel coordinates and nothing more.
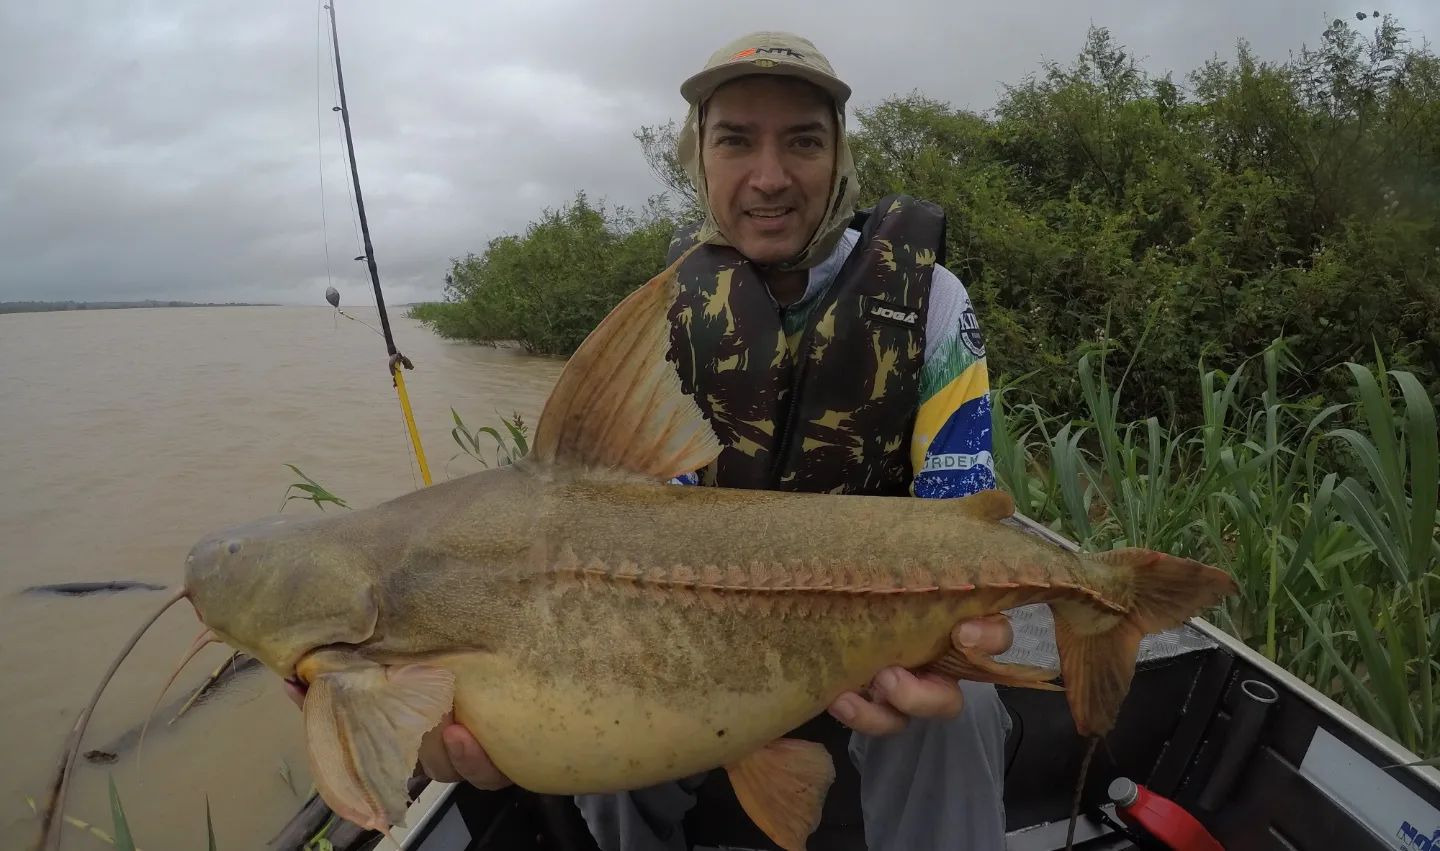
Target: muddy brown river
(125, 435)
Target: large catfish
(599, 629)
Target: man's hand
(897, 694)
(448, 753)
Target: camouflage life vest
(820, 398)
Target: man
(828, 358)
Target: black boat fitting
(1256, 700)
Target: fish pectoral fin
(961, 664)
(782, 787)
(363, 728)
(619, 404)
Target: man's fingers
(434, 758)
(868, 717)
(919, 696)
(470, 760)
(900, 694)
(991, 634)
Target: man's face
(769, 154)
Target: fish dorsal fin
(990, 504)
(618, 404)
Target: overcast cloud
(169, 149)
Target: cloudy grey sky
(168, 148)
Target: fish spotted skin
(708, 621)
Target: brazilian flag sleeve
(952, 440)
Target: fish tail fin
(1098, 646)
(1161, 591)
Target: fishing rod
(397, 360)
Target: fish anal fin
(989, 504)
(782, 788)
(961, 664)
(618, 403)
(1097, 656)
(363, 728)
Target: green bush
(1097, 204)
(547, 289)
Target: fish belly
(614, 691)
(565, 736)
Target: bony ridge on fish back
(597, 630)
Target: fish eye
(233, 548)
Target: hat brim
(700, 86)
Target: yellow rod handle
(410, 423)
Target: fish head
(280, 587)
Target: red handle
(1161, 817)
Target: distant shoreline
(54, 306)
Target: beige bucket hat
(766, 52)
(784, 54)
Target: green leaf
(1433, 761)
(1360, 512)
(1421, 436)
(1318, 517)
(1379, 415)
(317, 493)
(1370, 709)
(1370, 459)
(1069, 463)
(123, 840)
(1389, 689)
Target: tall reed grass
(1325, 516)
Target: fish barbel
(598, 629)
